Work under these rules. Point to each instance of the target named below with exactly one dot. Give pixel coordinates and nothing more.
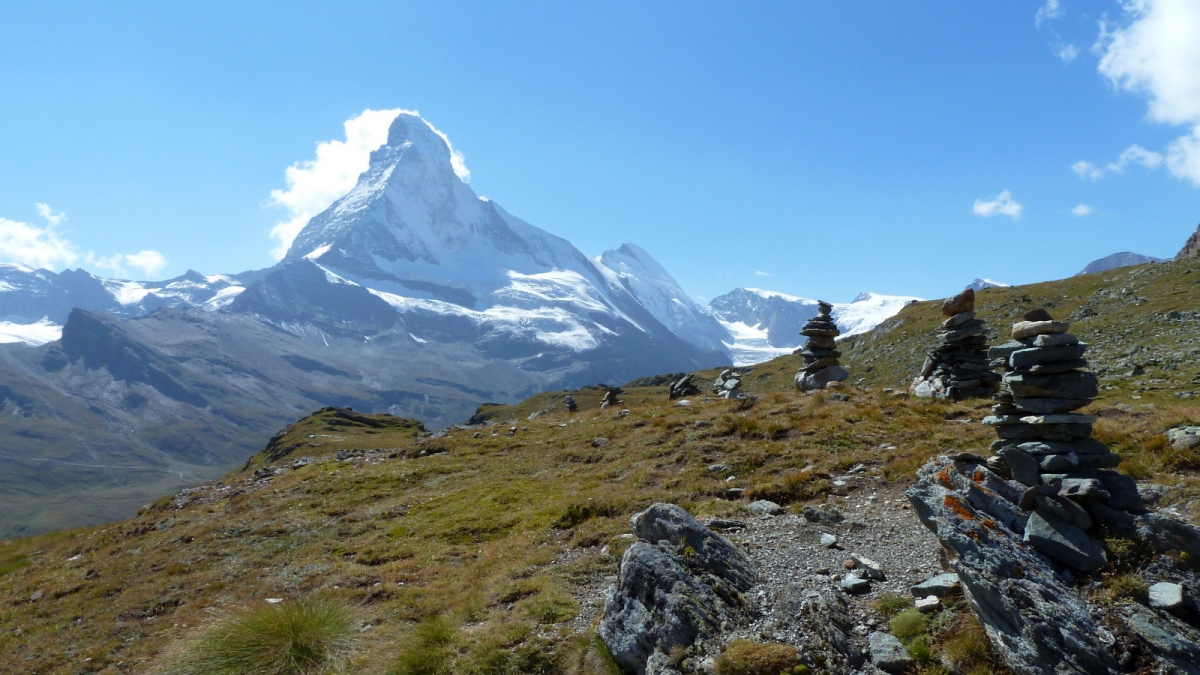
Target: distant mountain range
(1123, 259)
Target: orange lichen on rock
(958, 508)
(989, 523)
(944, 477)
(978, 477)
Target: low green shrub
(297, 637)
(891, 604)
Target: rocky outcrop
(1021, 587)
(678, 584)
(1191, 248)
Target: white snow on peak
(222, 298)
(126, 292)
(318, 252)
(33, 334)
(980, 284)
(867, 311)
(762, 293)
(751, 344)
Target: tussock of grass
(890, 604)
(298, 637)
(909, 624)
(744, 657)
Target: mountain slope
(659, 293)
(1112, 262)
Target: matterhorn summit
(412, 247)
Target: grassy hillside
(1146, 316)
(496, 541)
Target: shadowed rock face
(1037, 623)
(1037, 620)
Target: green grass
(297, 637)
(890, 604)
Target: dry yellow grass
(489, 540)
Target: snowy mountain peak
(658, 292)
(980, 284)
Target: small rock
(816, 514)
(963, 302)
(941, 586)
(887, 653)
(599, 442)
(37, 595)
(929, 603)
(873, 569)
(274, 601)
(1165, 595)
(1184, 438)
(718, 468)
(1064, 542)
(763, 507)
(683, 403)
(855, 585)
(829, 540)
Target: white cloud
(1050, 10)
(40, 247)
(315, 184)
(1134, 154)
(54, 218)
(150, 262)
(1002, 204)
(1068, 52)
(1087, 170)
(761, 273)
(1081, 210)
(1157, 54)
(47, 248)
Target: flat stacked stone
(820, 351)
(1048, 447)
(958, 366)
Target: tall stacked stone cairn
(820, 351)
(958, 366)
(1020, 529)
(1047, 446)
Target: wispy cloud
(761, 273)
(1048, 11)
(1081, 210)
(1002, 204)
(1155, 53)
(313, 185)
(1067, 52)
(45, 246)
(1134, 154)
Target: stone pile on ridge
(958, 366)
(820, 351)
(728, 384)
(1047, 446)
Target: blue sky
(820, 149)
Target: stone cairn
(572, 406)
(1048, 447)
(957, 367)
(684, 387)
(728, 384)
(610, 397)
(820, 352)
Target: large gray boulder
(1036, 622)
(676, 585)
